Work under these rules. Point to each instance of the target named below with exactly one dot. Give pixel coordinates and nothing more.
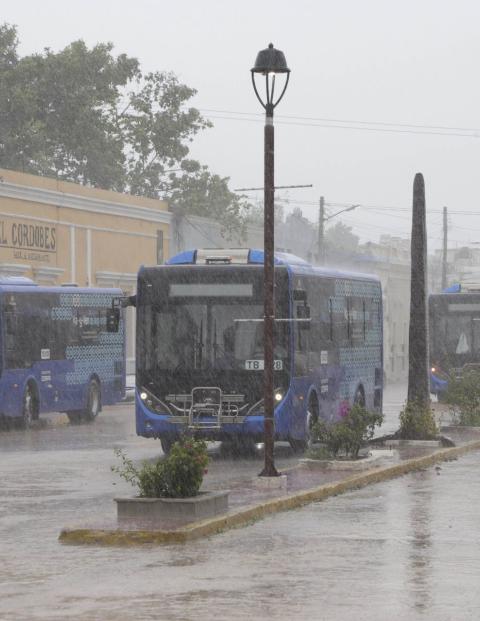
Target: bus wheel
(242, 446)
(29, 407)
(166, 443)
(299, 446)
(93, 402)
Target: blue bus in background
(454, 330)
(199, 350)
(56, 354)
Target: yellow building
(57, 232)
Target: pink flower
(344, 409)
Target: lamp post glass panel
(270, 63)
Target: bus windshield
(208, 335)
(455, 329)
(189, 325)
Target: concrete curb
(243, 517)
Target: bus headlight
(153, 402)
(278, 396)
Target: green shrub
(417, 422)
(352, 432)
(180, 475)
(318, 452)
(463, 397)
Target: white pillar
(73, 257)
(89, 257)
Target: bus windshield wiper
(200, 347)
(215, 344)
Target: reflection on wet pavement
(402, 550)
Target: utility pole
(322, 218)
(321, 231)
(444, 254)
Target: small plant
(318, 452)
(417, 422)
(463, 397)
(180, 475)
(353, 431)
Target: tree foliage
(463, 397)
(85, 115)
(339, 238)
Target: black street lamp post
(269, 63)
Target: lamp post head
(269, 63)
(270, 60)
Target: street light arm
(256, 92)
(269, 105)
(341, 211)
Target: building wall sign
(27, 241)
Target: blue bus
(199, 354)
(454, 330)
(56, 354)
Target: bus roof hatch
(217, 256)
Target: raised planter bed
(363, 463)
(204, 505)
(271, 482)
(419, 443)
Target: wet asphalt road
(404, 549)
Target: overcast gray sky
(356, 65)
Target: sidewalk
(304, 485)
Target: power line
(330, 120)
(277, 187)
(368, 207)
(392, 130)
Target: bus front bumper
(154, 425)
(437, 385)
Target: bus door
(303, 372)
(13, 364)
(42, 355)
(27, 353)
(316, 359)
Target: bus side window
(314, 340)
(10, 329)
(19, 341)
(364, 320)
(357, 321)
(348, 319)
(326, 321)
(58, 338)
(39, 340)
(301, 346)
(476, 334)
(330, 319)
(377, 314)
(10, 339)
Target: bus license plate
(258, 365)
